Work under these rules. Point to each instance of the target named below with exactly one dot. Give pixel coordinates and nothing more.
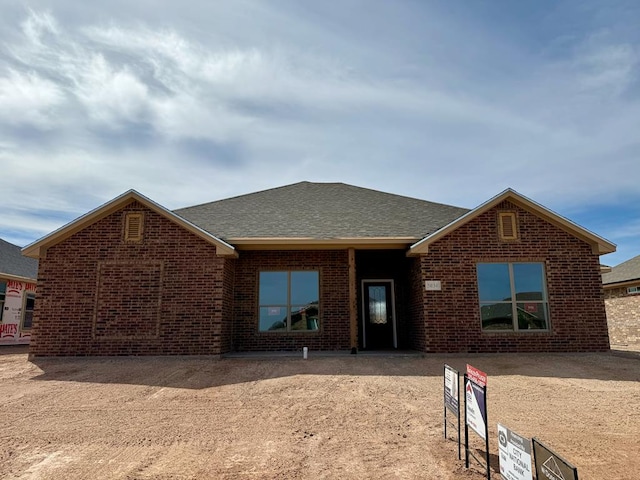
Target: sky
(190, 102)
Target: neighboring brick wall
(452, 316)
(98, 295)
(623, 315)
(334, 333)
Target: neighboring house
(622, 302)
(17, 294)
(326, 266)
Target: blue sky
(446, 101)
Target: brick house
(17, 294)
(328, 266)
(622, 302)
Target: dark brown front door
(378, 315)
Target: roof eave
(599, 245)
(33, 250)
(18, 278)
(311, 243)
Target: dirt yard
(340, 417)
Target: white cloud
(190, 107)
(27, 98)
(109, 95)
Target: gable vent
(133, 227)
(508, 226)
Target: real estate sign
(550, 466)
(476, 401)
(515, 455)
(451, 389)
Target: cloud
(232, 97)
(27, 98)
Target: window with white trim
(633, 290)
(3, 290)
(27, 311)
(513, 296)
(289, 301)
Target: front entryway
(378, 315)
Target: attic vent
(133, 227)
(508, 225)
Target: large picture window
(289, 301)
(513, 297)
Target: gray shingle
(321, 211)
(626, 271)
(12, 261)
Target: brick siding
(334, 332)
(99, 295)
(623, 315)
(452, 316)
(171, 294)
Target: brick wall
(334, 333)
(452, 316)
(623, 315)
(99, 295)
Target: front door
(378, 315)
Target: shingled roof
(13, 263)
(625, 272)
(321, 211)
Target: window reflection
(289, 301)
(512, 296)
(377, 305)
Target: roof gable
(34, 249)
(599, 245)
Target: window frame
(633, 290)
(3, 298)
(514, 300)
(289, 306)
(27, 295)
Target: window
(633, 290)
(512, 297)
(289, 301)
(29, 302)
(3, 290)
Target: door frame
(393, 308)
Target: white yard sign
(515, 455)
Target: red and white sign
(477, 376)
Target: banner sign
(478, 376)
(515, 455)
(451, 389)
(550, 466)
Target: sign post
(475, 412)
(452, 400)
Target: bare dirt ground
(339, 417)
